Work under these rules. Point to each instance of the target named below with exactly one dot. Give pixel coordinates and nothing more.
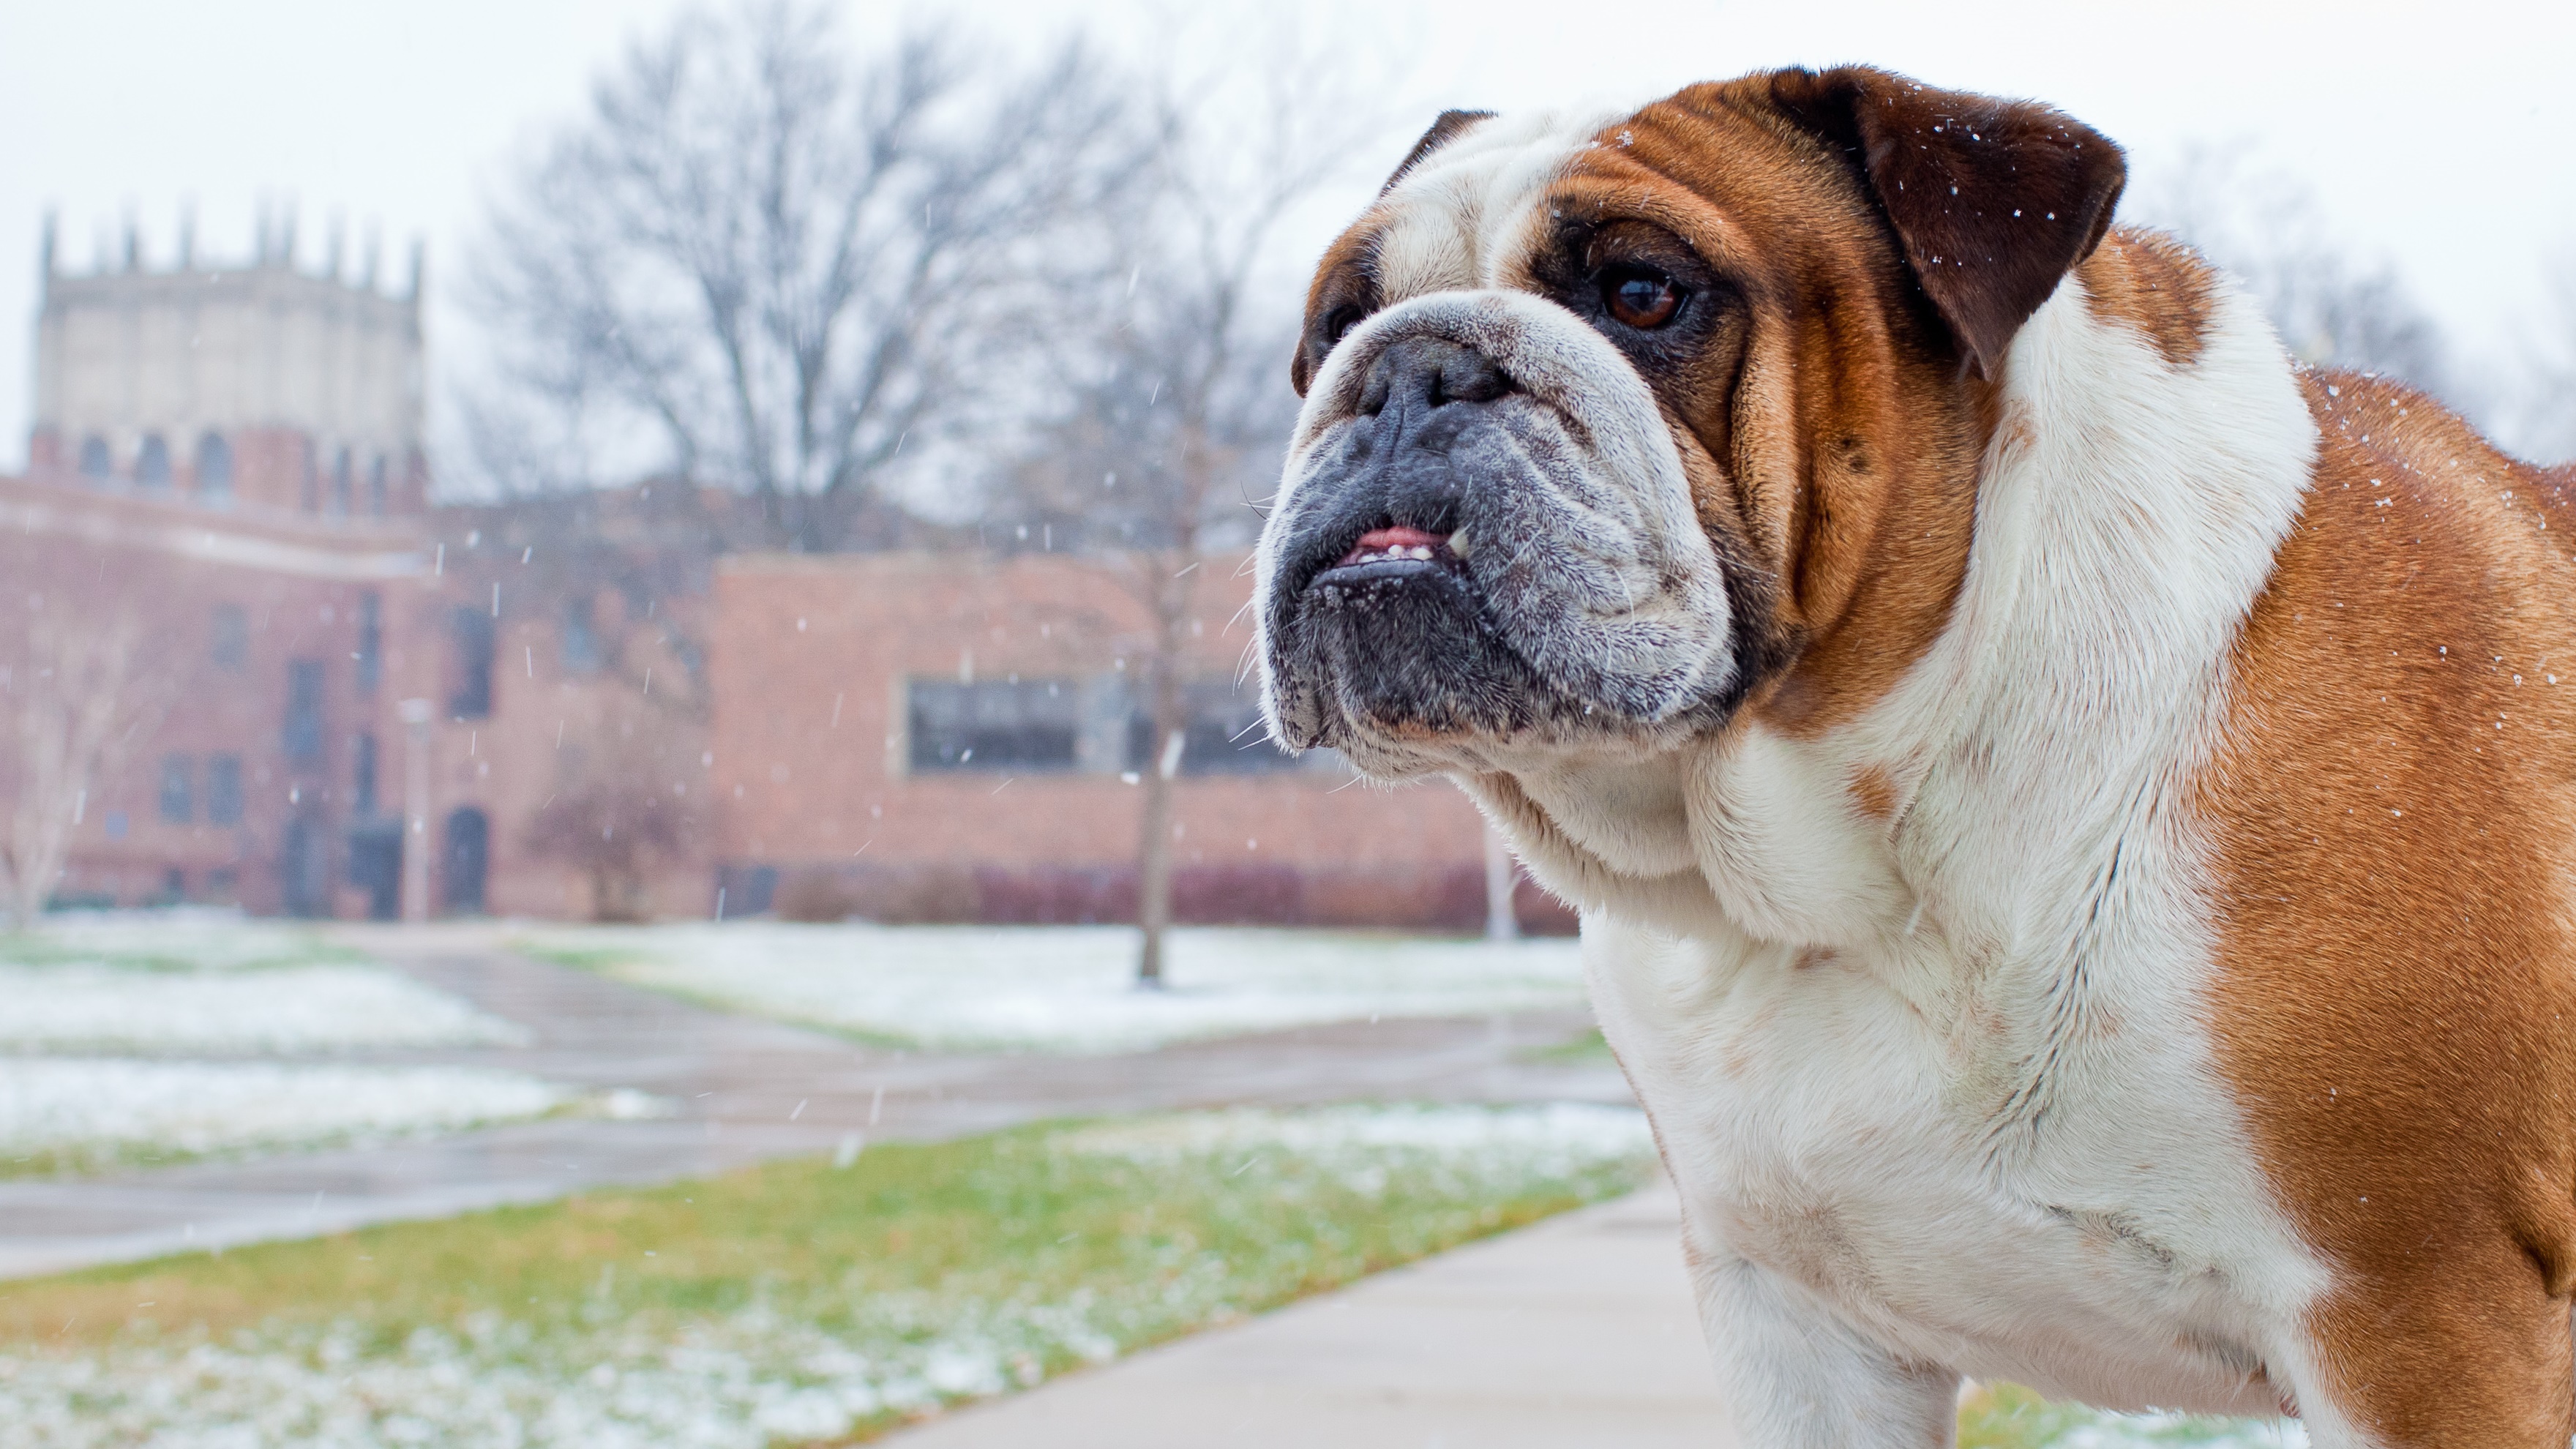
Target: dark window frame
(152, 462)
(178, 793)
(577, 648)
(370, 652)
(228, 637)
(362, 774)
(224, 799)
(1225, 734)
(307, 691)
(214, 467)
(1014, 726)
(475, 637)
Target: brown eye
(1342, 320)
(1643, 300)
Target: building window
(371, 641)
(471, 629)
(340, 483)
(228, 637)
(178, 789)
(312, 499)
(1225, 734)
(96, 463)
(1028, 725)
(376, 486)
(578, 646)
(152, 465)
(223, 789)
(214, 469)
(362, 781)
(303, 734)
(468, 859)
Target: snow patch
(104, 1008)
(1072, 988)
(99, 1108)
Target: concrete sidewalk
(1574, 1334)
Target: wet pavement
(743, 1090)
(1577, 1333)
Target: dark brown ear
(1449, 124)
(1993, 200)
(1342, 291)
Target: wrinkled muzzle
(1484, 539)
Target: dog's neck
(2127, 503)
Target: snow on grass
(284, 1009)
(1561, 1140)
(1069, 988)
(182, 939)
(2008, 1416)
(76, 1112)
(790, 1302)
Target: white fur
(1463, 213)
(1937, 1092)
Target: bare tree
(2332, 308)
(784, 265)
(81, 690)
(1179, 408)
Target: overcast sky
(2434, 135)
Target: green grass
(2008, 1416)
(1587, 1049)
(1013, 1255)
(49, 948)
(579, 958)
(794, 1303)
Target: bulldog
(2073, 811)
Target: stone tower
(265, 387)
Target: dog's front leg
(1795, 1376)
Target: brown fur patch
(1837, 440)
(2396, 809)
(2154, 286)
(1874, 792)
(1345, 285)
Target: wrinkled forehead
(1469, 214)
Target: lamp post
(416, 715)
(1501, 874)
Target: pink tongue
(1380, 540)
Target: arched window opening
(152, 465)
(376, 486)
(96, 464)
(340, 484)
(214, 468)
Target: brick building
(345, 702)
(226, 482)
(952, 736)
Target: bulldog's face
(1610, 421)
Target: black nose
(1421, 374)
